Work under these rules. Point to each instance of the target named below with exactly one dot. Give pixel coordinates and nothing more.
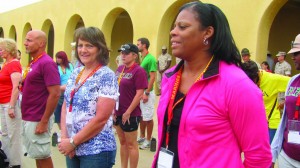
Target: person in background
(90, 97)
(246, 56)
(282, 67)
(270, 61)
(286, 144)
(10, 76)
(132, 81)
(148, 99)
(270, 84)
(65, 68)
(163, 63)
(265, 66)
(40, 94)
(209, 111)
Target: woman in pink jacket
(209, 112)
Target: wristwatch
(72, 142)
(147, 93)
(11, 107)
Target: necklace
(122, 73)
(72, 94)
(29, 66)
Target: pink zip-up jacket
(223, 116)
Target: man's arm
(167, 66)
(54, 94)
(150, 85)
(151, 81)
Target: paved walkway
(145, 160)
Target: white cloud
(7, 5)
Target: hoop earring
(205, 41)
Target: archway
(74, 23)
(49, 30)
(284, 29)
(12, 33)
(118, 25)
(25, 59)
(1, 32)
(1, 36)
(166, 25)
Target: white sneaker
(140, 141)
(145, 145)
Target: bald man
(40, 89)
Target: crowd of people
(215, 103)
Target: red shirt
(5, 80)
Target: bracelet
(72, 142)
(11, 107)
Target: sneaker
(140, 141)
(145, 145)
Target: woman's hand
(72, 154)
(125, 117)
(66, 148)
(11, 113)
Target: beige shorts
(37, 146)
(148, 107)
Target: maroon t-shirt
(292, 150)
(133, 79)
(43, 73)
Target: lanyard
(296, 114)
(30, 64)
(27, 69)
(77, 80)
(122, 73)
(172, 105)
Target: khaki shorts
(37, 146)
(148, 107)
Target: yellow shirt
(271, 84)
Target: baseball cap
(245, 51)
(281, 53)
(129, 48)
(295, 45)
(163, 47)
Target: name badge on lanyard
(165, 158)
(294, 125)
(294, 131)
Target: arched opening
(166, 25)
(49, 30)
(1, 36)
(74, 23)
(1, 32)
(12, 33)
(118, 25)
(25, 58)
(284, 29)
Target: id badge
(165, 158)
(69, 118)
(117, 104)
(294, 131)
(69, 124)
(20, 99)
